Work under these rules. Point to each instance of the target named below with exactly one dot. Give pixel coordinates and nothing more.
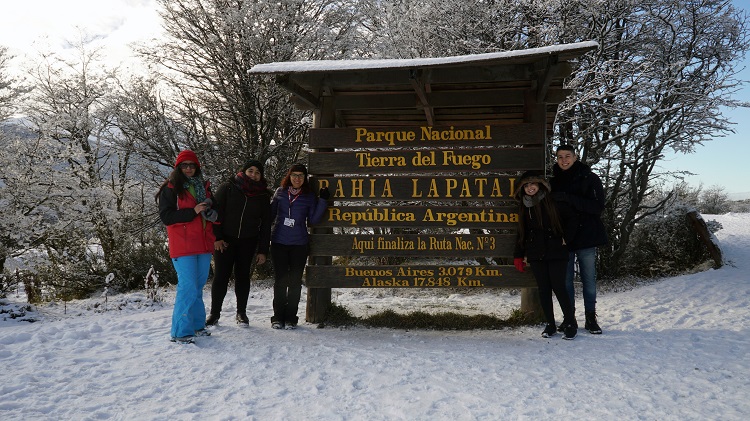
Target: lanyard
(291, 200)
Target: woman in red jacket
(185, 208)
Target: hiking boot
(242, 320)
(212, 320)
(591, 325)
(290, 326)
(277, 325)
(183, 340)
(549, 330)
(202, 332)
(570, 331)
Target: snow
(672, 349)
(348, 65)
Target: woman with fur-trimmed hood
(545, 228)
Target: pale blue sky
(28, 25)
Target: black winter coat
(540, 242)
(243, 217)
(583, 191)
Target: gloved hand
(324, 193)
(518, 263)
(210, 215)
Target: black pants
(288, 265)
(238, 256)
(550, 277)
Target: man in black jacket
(573, 182)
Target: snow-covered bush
(665, 244)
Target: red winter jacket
(187, 231)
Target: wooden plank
(429, 161)
(429, 188)
(423, 245)
(426, 136)
(419, 216)
(417, 276)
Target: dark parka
(582, 190)
(243, 217)
(540, 241)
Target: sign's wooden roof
(491, 88)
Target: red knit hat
(187, 155)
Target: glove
(208, 201)
(518, 263)
(559, 196)
(210, 215)
(324, 193)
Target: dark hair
(566, 147)
(286, 182)
(178, 180)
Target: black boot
(591, 325)
(242, 319)
(212, 319)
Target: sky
(671, 349)
(33, 25)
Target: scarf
(531, 201)
(197, 188)
(294, 191)
(250, 187)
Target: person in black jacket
(574, 184)
(543, 232)
(244, 206)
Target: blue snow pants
(189, 313)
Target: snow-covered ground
(675, 349)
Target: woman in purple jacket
(293, 207)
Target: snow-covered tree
(211, 44)
(663, 75)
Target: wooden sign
(419, 216)
(421, 188)
(426, 161)
(437, 245)
(417, 276)
(427, 136)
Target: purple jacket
(305, 209)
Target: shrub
(665, 244)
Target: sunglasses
(186, 165)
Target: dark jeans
(550, 277)
(288, 265)
(238, 256)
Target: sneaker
(242, 320)
(570, 332)
(290, 326)
(591, 324)
(183, 340)
(212, 320)
(277, 325)
(202, 332)
(549, 330)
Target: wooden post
(319, 299)
(534, 112)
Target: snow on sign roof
(344, 65)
